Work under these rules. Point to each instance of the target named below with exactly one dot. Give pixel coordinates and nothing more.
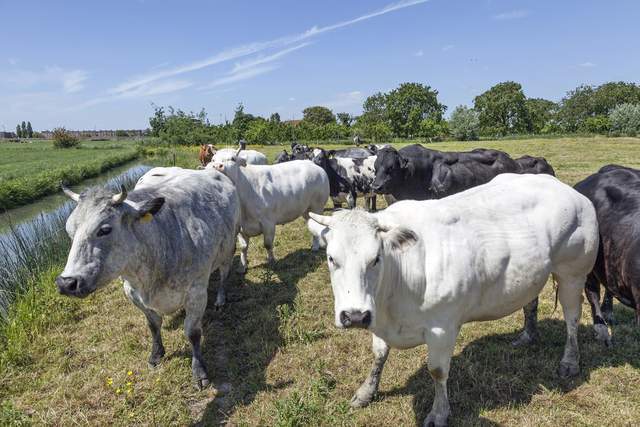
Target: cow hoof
(436, 420)
(218, 306)
(568, 370)
(358, 402)
(524, 339)
(602, 334)
(201, 383)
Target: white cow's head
(229, 165)
(358, 248)
(102, 228)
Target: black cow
(283, 157)
(418, 173)
(339, 186)
(615, 193)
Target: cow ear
(241, 161)
(146, 210)
(398, 238)
(404, 162)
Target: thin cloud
(241, 66)
(514, 14)
(419, 53)
(587, 64)
(159, 88)
(12, 61)
(447, 47)
(239, 76)
(69, 81)
(248, 49)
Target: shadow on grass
(490, 373)
(247, 329)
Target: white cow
(251, 157)
(417, 271)
(272, 195)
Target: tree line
(412, 110)
(24, 130)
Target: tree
(374, 109)
(541, 112)
(157, 121)
(625, 120)
(590, 101)
(29, 130)
(464, 123)
(23, 129)
(241, 121)
(345, 119)
(18, 131)
(275, 118)
(410, 104)
(318, 115)
(502, 110)
(433, 130)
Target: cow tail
(555, 285)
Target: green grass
(31, 170)
(276, 349)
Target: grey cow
(165, 238)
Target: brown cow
(206, 154)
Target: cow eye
(104, 230)
(332, 261)
(376, 261)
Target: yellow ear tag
(146, 218)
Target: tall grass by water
(32, 249)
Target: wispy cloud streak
(514, 14)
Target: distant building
(7, 135)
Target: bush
(625, 120)
(597, 124)
(63, 139)
(464, 123)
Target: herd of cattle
(468, 236)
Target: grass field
(31, 170)
(276, 359)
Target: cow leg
(221, 296)
(369, 387)
(592, 291)
(635, 292)
(374, 203)
(154, 321)
(529, 334)
(336, 203)
(243, 242)
(607, 307)
(315, 238)
(268, 234)
(440, 343)
(351, 200)
(570, 296)
(194, 309)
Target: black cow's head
(390, 169)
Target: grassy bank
(33, 170)
(286, 364)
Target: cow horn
(321, 219)
(120, 197)
(73, 196)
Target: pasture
(275, 357)
(31, 170)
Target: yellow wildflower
(130, 373)
(118, 391)
(129, 384)
(109, 381)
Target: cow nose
(355, 319)
(67, 285)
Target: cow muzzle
(72, 286)
(355, 319)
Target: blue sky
(100, 64)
